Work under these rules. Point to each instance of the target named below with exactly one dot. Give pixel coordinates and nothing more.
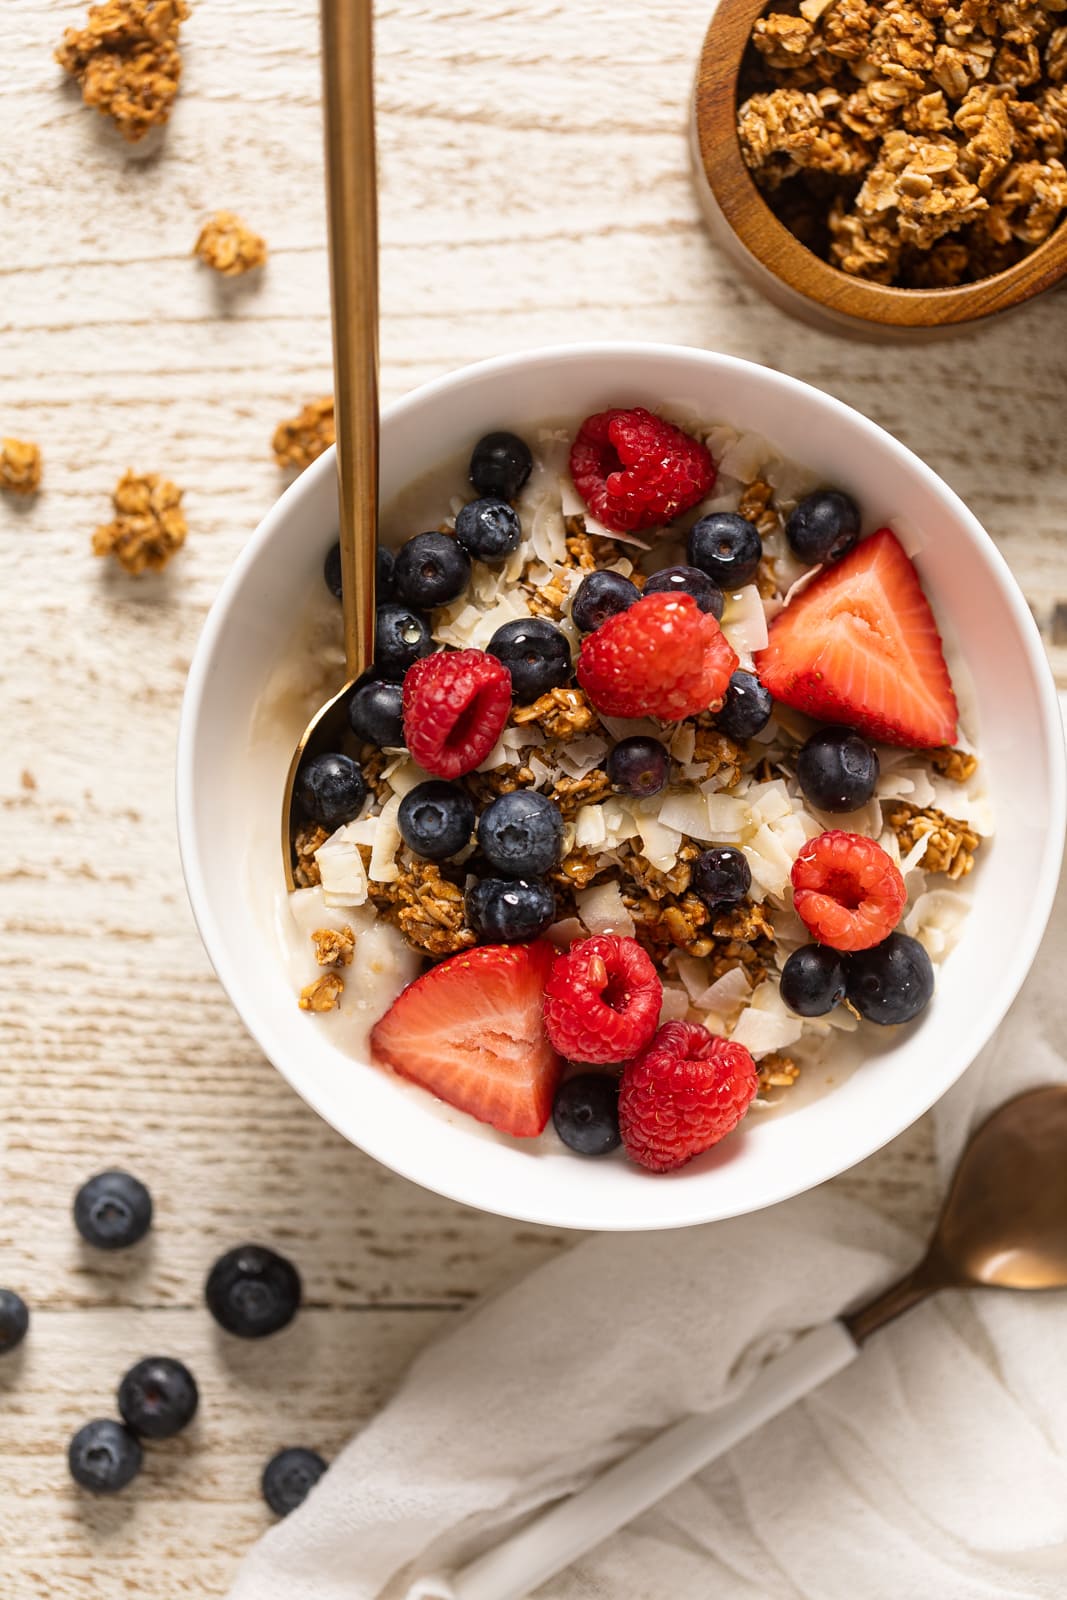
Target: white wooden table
(535, 188)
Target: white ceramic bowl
(228, 796)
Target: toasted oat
(652, 881)
(426, 907)
(305, 842)
(20, 466)
(956, 765)
(148, 527)
(570, 794)
(229, 246)
(756, 505)
(505, 779)
(127, 61)
(776, 1071)
(671, 921)
(721, 755)
(323, 994)
(576, 871)
(951, 844)
(561, 714)
(334, 947)
(747, 922)
(301, 439)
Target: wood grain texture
(535, 188)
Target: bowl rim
(227, 966)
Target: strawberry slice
(860, 645)
(472, 1032)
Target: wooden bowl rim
(779, 252)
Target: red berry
(847, 891)
(602, 1000)
(455, 706)
(633, 470)
(664, 658)
(683, 1094)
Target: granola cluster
(20, 466)
(916, 142)
(148, 526)
(950, 843)
(127, 61)
(228, 246)
(300, 440)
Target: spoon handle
(352, 208)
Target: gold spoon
(1003, 1226)
(352, 209)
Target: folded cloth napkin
(934, 1466)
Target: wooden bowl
(784, 268)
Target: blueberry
(601, 595)
(376, 712)
(813, 980)
(586, 1113)
(436, 819)
(104, 1456)
(824, 526)
(331, 570)
(892, 982)
(746, 707)
(158, 1397)
(691, 581)
(837, 769)
(14, 1320)
(510, 910)
(727, 547)
(536, 654)
(500, 465)
(721, 876)
(289, 1477)
(251, 1291)
(401, 637)
(431, 570)
(489, 530)
(521, 834)
(112, 1210)
(331, 789)
(383, 586)
(638, 766)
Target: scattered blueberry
(289, 1477)
(104, 1456)
(689, 580)
(536, 654)
(14, 1320)
(721, 876)
(383, 586)
(746, 707)
(727, 547)
(510, 910)
(431, 570)
(586, 1113)
(401, 637)
(892, 982)
(436, 819)
(521, 834)
(638, 766)
(489, 530)
(331, 570)
(837, 769)
(251, 1291)
(158, 1397)
(500, 465)
(331, 789)
(376, 713)
(813, 980)
(601, 595)
(112, 1210)
(824, 526)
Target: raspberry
(455, 706)
(847, 891)
(683, 1094)
(634, 470)
(602, 1000)
(663, 657)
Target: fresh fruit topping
(471, 1030)
(746, 707)
(289, 1477)
(536, 654)
(104, 1456)
(112, 1210)
(401, 637)
(158, 1397)
(727, 547)
(601, 595)
(638, 766)
(489, 530)
(510, 910)
(837, 769)
(813, 980)
(691, 581)
(846, 890)
(633, 470)
(383, 585)
(251, 1291)
(892, 982)
(586, 1113)
(687, 1090)
(376, 713)
(521, 834)
(331, 570)
(436, 819)
(602, 999)
(14, 1320)
(331, 789)
(860, 645)
(664, 658)
(721, 876)
(500, 465)
(431, 570)
(455, 708)
(823, 527)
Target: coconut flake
(683, 742)
(725, 994)
(602, 910)
(387, 841)
(343, 875)
(675, 1004)
(936, 920)
(563, 934)
(745, 622)
(744, 457)
(727, 815)
(687, 811)
(590, 831)
(659, 842)
(582, 755)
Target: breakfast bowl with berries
(699, 817)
